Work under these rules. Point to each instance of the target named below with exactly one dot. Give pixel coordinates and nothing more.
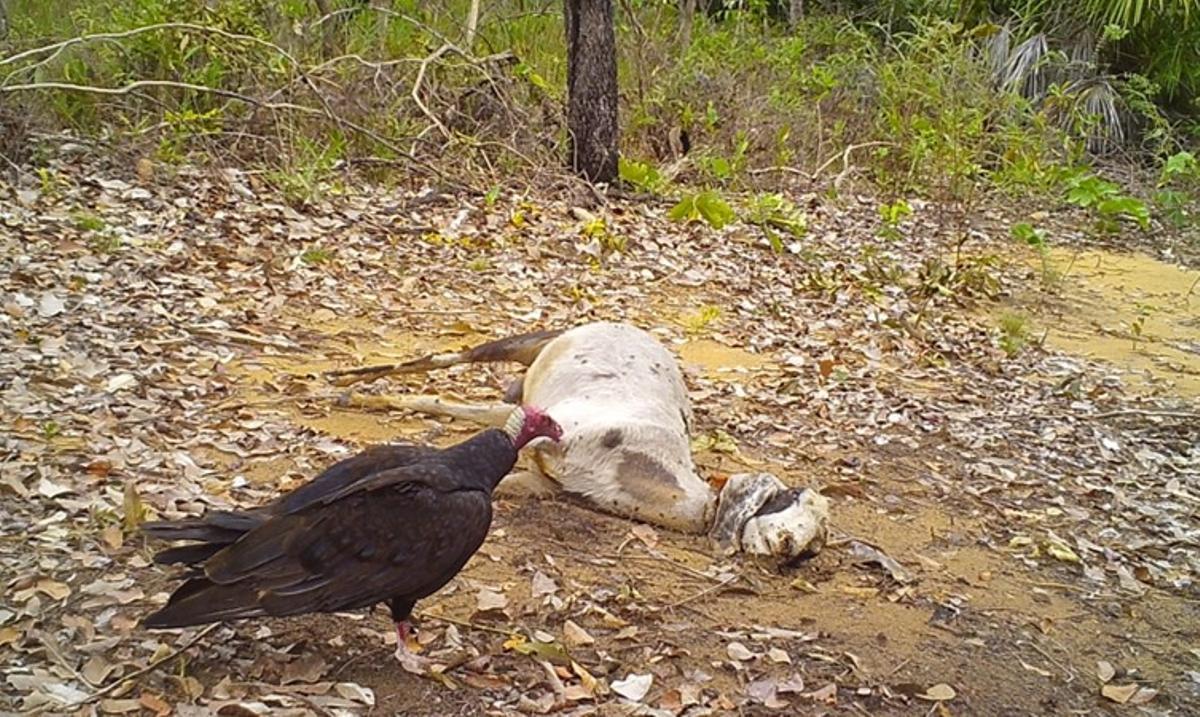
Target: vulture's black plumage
(394, 523)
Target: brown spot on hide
(647, 480)
(612, 438)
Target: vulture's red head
(528, 422)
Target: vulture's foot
(407, 648)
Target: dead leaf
(587, 680)
(356, 692)
(864, 553)
(50, 305)
(633, 687)
(646, 534)
(488, 600)
(1119, 693)
(155, 704)
(308, 668)
(112, 537)
(120, 707)
(765, 692)
(542, 585)
(827, 694)
(778, 656)
(940, 692)
(1061, 551)
(9, 635)
(53, 589)
(803, 586)
(120, 382)
(576, 636)
(548, 651)
(49, 489)
(96, 670)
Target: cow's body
(626, 417)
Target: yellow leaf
(1060, 551)
(53, 589)
(9, 635)
(135, 512)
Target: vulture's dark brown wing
(217, 529)
(405, 538)
(348, 471)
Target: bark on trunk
(795, 13)
(592, 89)
(687, 11)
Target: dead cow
(621, 400)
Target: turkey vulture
(394, 523)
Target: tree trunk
(795, 13)
(592, 89)
(687, 12)
(472, 24)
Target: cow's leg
(522, 349)
(528, 484)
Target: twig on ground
(467, 624)
(100, 693)
(707, 591)
(1147, 414)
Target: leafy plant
(1180, 167)
(1029, 234)
(1089, 191)
(86, 221)
(1014, 332)
(706, 206)
(1036, 238)
(892, 214)
(596, 228)
(315, 256)
(641, 175)
(700, 321)
(775, 213)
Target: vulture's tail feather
(214, 531)
(200, 601)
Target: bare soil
(1039, 504)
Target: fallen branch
(1148, 414)
(58, 48)
(141, 84)
(846, 156)
(416, 88)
